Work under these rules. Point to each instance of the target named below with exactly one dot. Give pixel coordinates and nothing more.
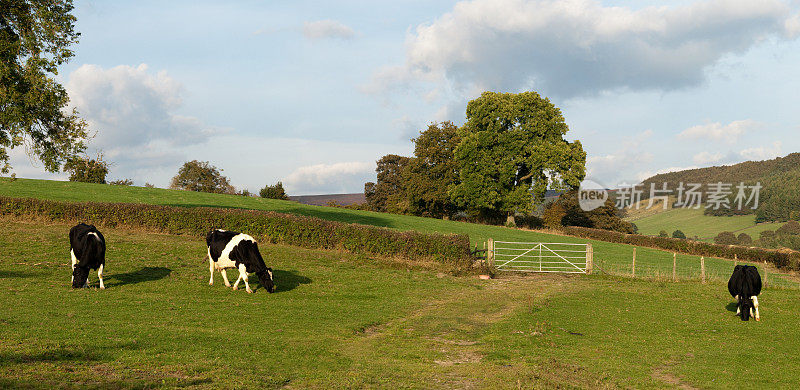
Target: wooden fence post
(703, 269)
(490, 253)
(633, 263)
(735, 260)
(674, 266)
(589, 258)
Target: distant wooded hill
(779, 199)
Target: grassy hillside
(693, 223)
(339, 321)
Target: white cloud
(323, 29)
(762, 153)
(580, 47)
(705, 158)
(339, 177)
(132, 113)
(609, 168)
(716, 131)
(793, 27)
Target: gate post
(490, 253)
(589, 258)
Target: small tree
(553, 215)
(274, 192)
(726, 238)
(678, 234)
(745, 239)
(767, 234)
(149, 185)
(791, 228)
(201, 176)
(87, 170)
(663, 233)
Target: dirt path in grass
(443, 343)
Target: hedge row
(306, 232)
(784, 258)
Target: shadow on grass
(287, 280)
(146, 274)
(18, 274)
(731, 307)
(64, 354)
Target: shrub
(663, 233)
(553, 215)
(267, 226)
(791, 228)
(121, 182)
(767, 234)
(274, 192)
(726, 238)
(678, 234)
(87, 170)
(744, 239)
(149, 185)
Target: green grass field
(694, 223)
(339, 320)
(613, 258)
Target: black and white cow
(744, 286)
(88, 251)
(237, 250)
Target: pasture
(339, 320)
(694, 223)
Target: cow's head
(746, 308)
(266, 280)
(79, 276)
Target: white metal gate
(541, 256)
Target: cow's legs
(755, 304)
(225, 277)
(236, 285)
(211, 270)
(243, 275)
(74, 261)
(100, 276)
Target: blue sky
(313, 93)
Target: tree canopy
(35, 38)
(87, 170)
(512, 149)
(201, 176)
(388, 194)
(433, 170)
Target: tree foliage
(121, 182)
(87, 170)
(791, 228)
(512, 149)
(679, 234)
(35, 37)
(606, 217)
(274, 191)
(726, 238)
(745, 239)
(388, 194)
(432, 171)
(201, 176)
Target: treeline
(494, 169)
(786, 236)
(779, 178)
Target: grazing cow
(88, 250)
(744, 286)
(237, 250)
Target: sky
(313, 93)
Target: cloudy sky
(313, 93)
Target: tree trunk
(510, 220)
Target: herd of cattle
(226, 250)
(231, 250)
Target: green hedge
(306, 232)
(781, 258)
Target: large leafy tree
(87, 170)
(433, 170)
(512, 150)
(275, 191)
(35, 36)
(388, 194)
(203, 177)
